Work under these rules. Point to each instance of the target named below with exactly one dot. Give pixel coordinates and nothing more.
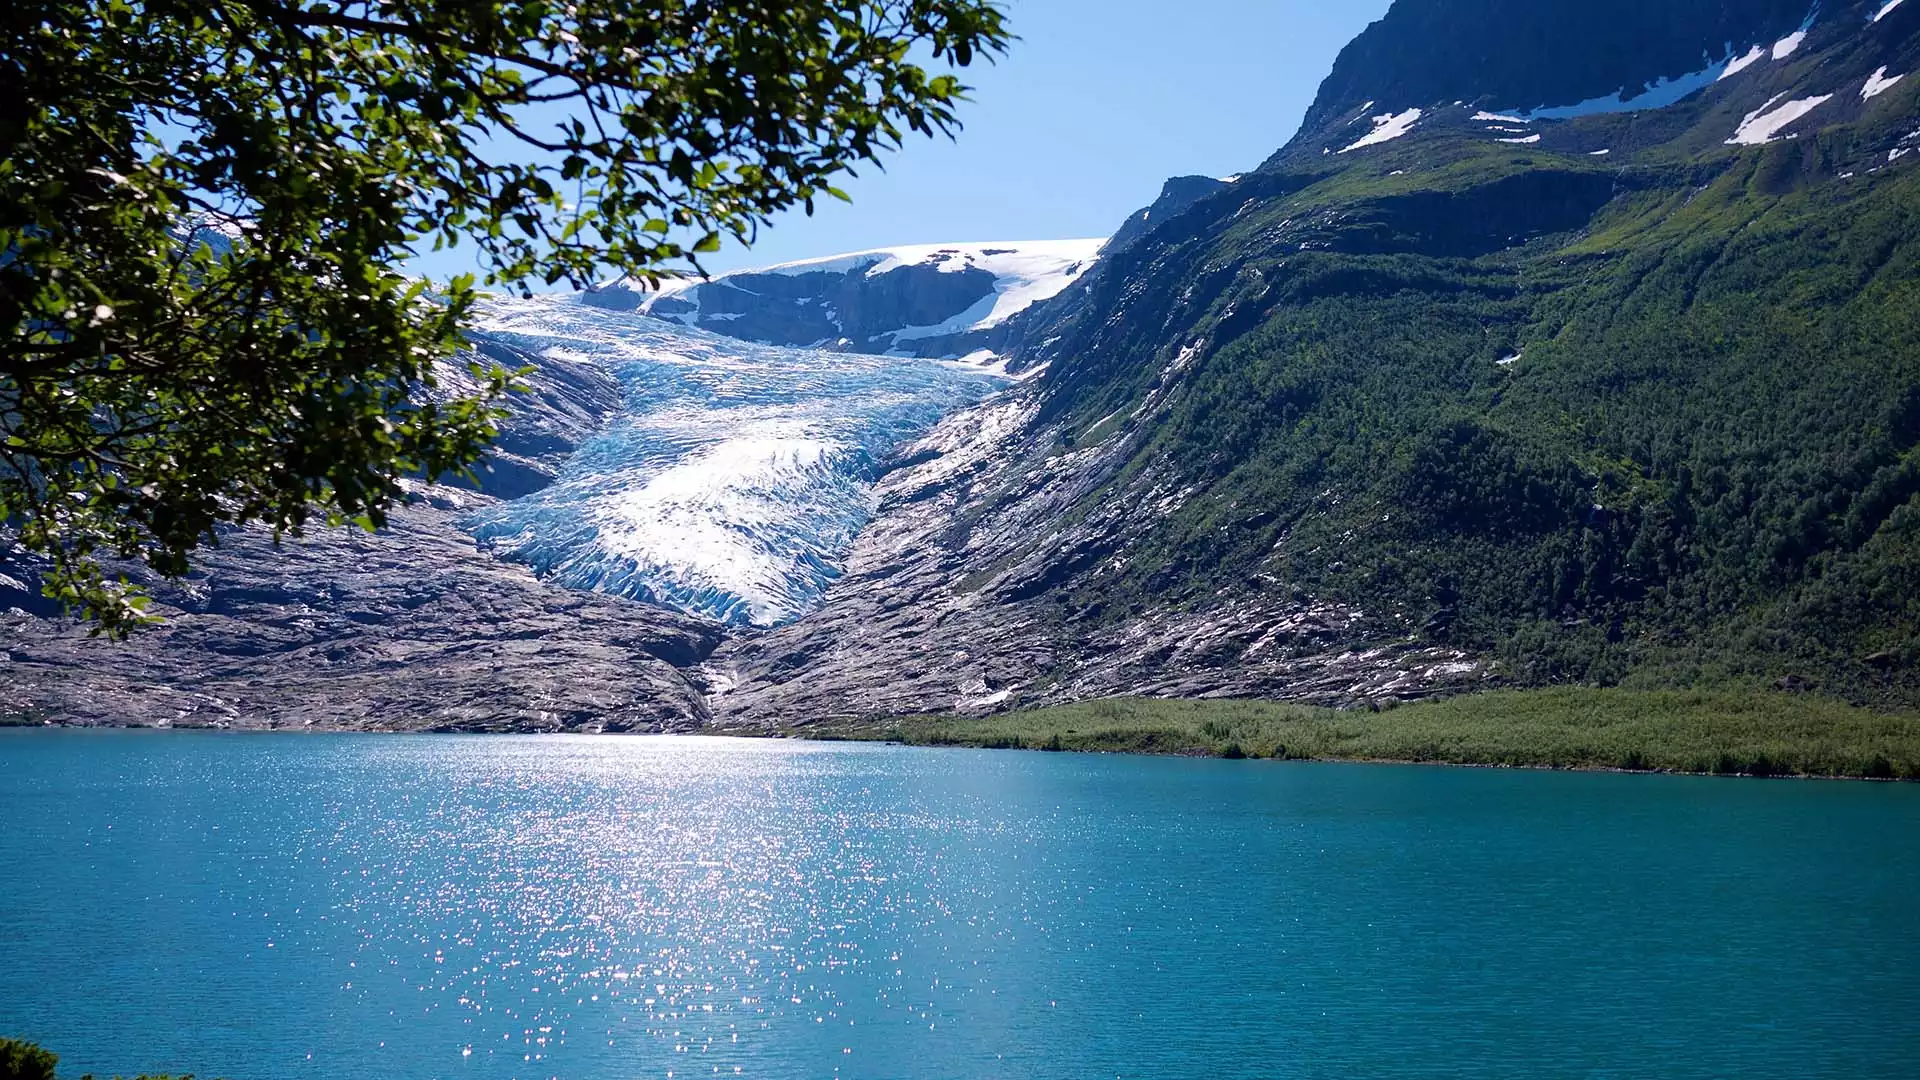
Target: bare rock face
(966, 595)
(563, 403)
(411, 629)
(1176, 194)
(857, 312)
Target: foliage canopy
(25, 1061)
(205, 206)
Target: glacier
(735, 475)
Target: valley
(1596, 372)
(544, 540)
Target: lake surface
(347, 907)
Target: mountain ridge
(1426, 51)
(938, 301)
(1486, 399)
(1458, 389)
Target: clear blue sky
(1079, 123)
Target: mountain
(1563, 343)
(1530, 58)
(1176, 195)
(931, 300)
(654, 487)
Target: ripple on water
(584, 908)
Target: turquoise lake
(354, 908)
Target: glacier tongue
(738, 473)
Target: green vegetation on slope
(1726, 733)
(1653, 426)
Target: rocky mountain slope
(966, 595)
(409, 629)
(1575, 342)
(1563, 343)
(654, 486)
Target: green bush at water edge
(1753, 734)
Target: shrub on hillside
(25, 1061)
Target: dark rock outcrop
(563, 403)
(409, 629)
(1522, 54)
(829, 309)
(1176, 195)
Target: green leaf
(259, 376)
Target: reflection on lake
(346, 907)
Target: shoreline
(1690, 733)
(1396, 762)
(1679, 733)
(800, 735)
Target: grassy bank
(1753, 734)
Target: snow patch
(1741, 63)
(1786, 46)
(1028, 272)
(1386, 128)
(968, 439)
(1600, 153)
(992, 363)
(1654, 95)
(1764, 124)
(1485, 116)
(1878, 83)
(1528, 139)
(1885, 10)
